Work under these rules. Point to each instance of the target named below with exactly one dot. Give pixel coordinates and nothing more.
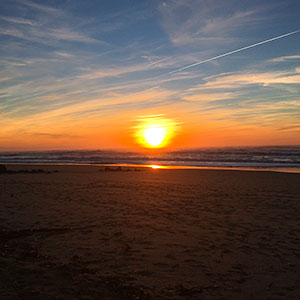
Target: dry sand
(82, 233)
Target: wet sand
(86, 233)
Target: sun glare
(154, 135)
(155, 167)
(154, 131)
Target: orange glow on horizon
(122, 132)
(155, 167)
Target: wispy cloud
(292, 127)
(47, 25)
(193, 96)
(5, 79)
(230, 53)
(193, 21)
(92, 107)
(52, 135)
(18, 20)
(239, 80)
(67, 35)
(231, 22)
(44, 35)
(41, 7)
(63, 54)
(285, 58)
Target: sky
(86, 74)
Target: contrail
(227, 53)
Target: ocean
(275, 157)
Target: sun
(154, 131)
(154, 135)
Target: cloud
(63, 54)
(285, 58)
(52, 135)
(230, 53)
(279, 105)
(104, 72)
(12, 32)
(18, 20)
(67, 35)
(40, 7)
(239, 80)
(190, 95)
(263, 114)
(55, 120)
(3, 79)
(194, 21)
(292, 127)
(45, 35)
(48, 25)
(219, 23)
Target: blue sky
(98, 64)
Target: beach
(86, 232)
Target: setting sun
(154, 131)
(154, 135)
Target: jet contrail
(228, 53)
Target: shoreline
(165, 167)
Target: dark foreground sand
(154, 234)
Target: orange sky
(120, 133)
(78, 76)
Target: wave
(276, 156)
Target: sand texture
(83, 233)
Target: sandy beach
(86, 233)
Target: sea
(277, 158)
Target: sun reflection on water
(155, 167)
